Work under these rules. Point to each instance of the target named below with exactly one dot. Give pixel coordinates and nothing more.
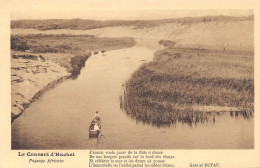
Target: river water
(60, 118)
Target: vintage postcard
(130, 84)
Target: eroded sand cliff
(30, 75)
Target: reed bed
(164, 91)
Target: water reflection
(170, 116)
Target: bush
(78, 62)
(18, 44)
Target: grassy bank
(70, 51)
(165, 90)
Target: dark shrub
(78, 62)
(18, 44)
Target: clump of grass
(165, 90)
(167, 43)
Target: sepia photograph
(129, 83)
(132, 79)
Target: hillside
(226, 35)
(210, 32)
(81, 24)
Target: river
(60, 118)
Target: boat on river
(95, 128)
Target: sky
(119, 14)
(123, 9)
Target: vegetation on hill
(81, 24)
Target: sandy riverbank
(30, 76)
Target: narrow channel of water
(60, 118)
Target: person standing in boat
(97, 118)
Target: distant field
(41, 43)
